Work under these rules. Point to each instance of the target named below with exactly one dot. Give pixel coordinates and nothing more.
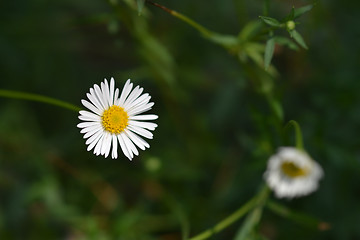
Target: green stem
(229, 42)
(298, 136)
(301, 218)
(203, 30)
(38, 98)
(255, 201)
(266, 7)
(192, 23)
(254, 216)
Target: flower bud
(290, 25)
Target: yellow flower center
(292, 170)
(115, 119)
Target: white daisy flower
(292, 173)
(113, 119)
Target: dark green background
(215, 132)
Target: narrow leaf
(250, 30)
(269, 52)
(290, 16)
(300, 11)
(140, 5)
(253, 218)
(256, 56)
(292, 13)
(249, 224)
(277, 108)
(298, 38)
(270, 21)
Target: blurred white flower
(113, 119)
(292, 173)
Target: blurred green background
(215, 131)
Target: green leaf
(269, 52)
(250, 30)
(228, 41)
(290, 16)
(255, 55)
(292, 13)
(270, 21)
(298, 38)
(286, 42)
(140, 5)
(248, 226)
(300, 11)
(277, 108)
(253, 218)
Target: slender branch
(255, 201)
(227, 221)
(184, 18)
(298, 135)
(301, 218)
(38, 98)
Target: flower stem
(298, 136)
(229, 42)
(301, 218)
(203, 30)
(252, 203)
(38, 98)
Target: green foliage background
(215, 131)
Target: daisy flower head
(112, 119)
(292, 173)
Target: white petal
(87, 124)
(114, 153)
(140, 109)
(99, 144)
(142, 100)
(147, 125)
(105, 91)
(94, 94)
(90, 115)
(94, 141)
(106, 144)
(93, 137)
(130, 145)
(141, 143)
(123, 146)
(132, 97)
(91, 131)
(130, 152)
(112, 87)
(144, 117)
(116, 95)
(125, 92)
(84, 118)
(91, 107)
(141, 131)
(95, 101)
(100, 96)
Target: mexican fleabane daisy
(292, 173)
(114, 120)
